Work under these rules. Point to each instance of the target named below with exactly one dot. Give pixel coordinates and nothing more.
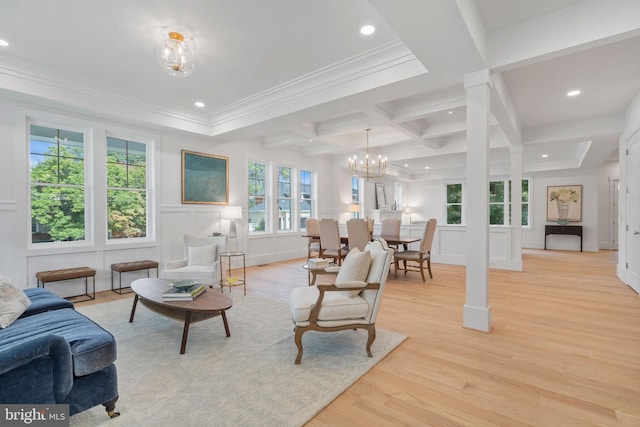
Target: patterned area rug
(248, 379)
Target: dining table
(390, 239)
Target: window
(497, 203)
(306, 197)
(58, 202)
(454, 203)
(500, 202)
(126, 189)
(284, 198)
(355, 195)
(525, 203)
(257, 197)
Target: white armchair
(201, 260)
(351, 303)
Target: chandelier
(175, 55)
(374, 168)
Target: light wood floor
(564, 349)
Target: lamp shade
(354, 208)
(232, 212)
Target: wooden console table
(568, 230)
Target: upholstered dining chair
(330, 244)
(390, 227)
(357, 234)
(370, 222)
(420, 257)
(201, 260)
(351, 303)
(313, 229)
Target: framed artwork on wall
(564, 203)
(381, 199)
(205, 178)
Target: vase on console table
(563, 211)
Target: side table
(226, 279)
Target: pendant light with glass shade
(175, 55)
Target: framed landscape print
(564, 203)
(205, 178)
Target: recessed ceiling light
(311, 140)
(426, 167)
(574, 92)
(544, 156)
(4, 43)
(199, 104)
(367, 30)
(406, 165)
(450, 112)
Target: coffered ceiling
(297, 74)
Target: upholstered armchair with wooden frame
(201, 260)
(351, 303)
(420, 257)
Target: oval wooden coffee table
(209, 304)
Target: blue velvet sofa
(54, 355)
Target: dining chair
(313, 229)
(358, 234)
(421, 256)
(330, 244)
(370, 225)
(390, 227)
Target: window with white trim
(284, 198)
(306, 198)
(454, 203)
(500, 202)
(127, 201)
(258, 200)
(58, 185)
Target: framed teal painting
(205, 178)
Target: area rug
(247, 379)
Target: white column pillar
(477, 311)
(516, 207)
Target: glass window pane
(496, 191)
(126, 211)
(284, 214)
(454, 193)
(116, 150)
(496, 214)
(454, 214)
(71, 171)
(137, 177)
(57, 214)
(116, 175)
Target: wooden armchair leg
(372, 337)
(298, 339)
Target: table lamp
(232, 213)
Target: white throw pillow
(13, 302)
(201, 255)
(355, 268)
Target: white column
(516, 207)
(477, 311)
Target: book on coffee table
(184, 294)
